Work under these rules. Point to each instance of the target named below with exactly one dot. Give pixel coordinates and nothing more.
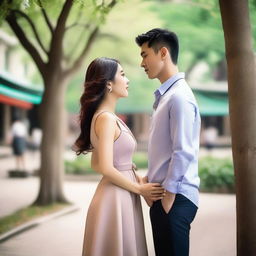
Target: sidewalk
(213, 231)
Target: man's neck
(168, 73)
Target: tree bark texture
(54, 123)
(242, 106)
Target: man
(173, 144)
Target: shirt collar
(168, 83)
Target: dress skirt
(114, 223)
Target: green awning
(212, 103)
(25, 96)
(20, 90)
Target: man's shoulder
(181, 93)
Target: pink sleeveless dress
(114, 223)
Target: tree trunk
(54, 123)
(242, 106)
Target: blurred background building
(18, 97)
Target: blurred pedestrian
(18, 142)
(209, 136)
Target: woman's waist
(125, 166)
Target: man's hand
(168, 201)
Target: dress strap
(128, 129)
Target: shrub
(216, 174)
(81, 165)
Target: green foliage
(140, 97)
(199, 29)
(252, 5)
(141, 160)
(117, 42)
(216, 174)
(74, 93)
(81, 165)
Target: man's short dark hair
(158, 38)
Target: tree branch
(56, 50)
(77, 24)
(78, 18)
(112, 4)
(76, 44)
(47, 20)
(29, 47)
(77, 64)
(33, 29)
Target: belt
(126, 167)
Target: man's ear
(164, 52)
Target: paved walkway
(212, 234)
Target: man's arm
(182, 116)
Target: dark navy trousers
(171, 230)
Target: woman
(114, 224)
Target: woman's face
(120, 83)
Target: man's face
(151, 61)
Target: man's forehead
(144, 48)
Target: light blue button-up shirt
(174, 139)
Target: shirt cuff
(171, 186)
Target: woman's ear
(109, 86)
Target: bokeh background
(29, 91)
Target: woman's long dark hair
(99, 72)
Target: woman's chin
(125, 95)
(122, 95)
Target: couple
(114, 224)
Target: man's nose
(142, 64)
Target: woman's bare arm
(105, 129)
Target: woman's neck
(109, 104)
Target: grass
(27, 214)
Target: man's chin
(151, 76)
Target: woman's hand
(139, 179)
(152, 191)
